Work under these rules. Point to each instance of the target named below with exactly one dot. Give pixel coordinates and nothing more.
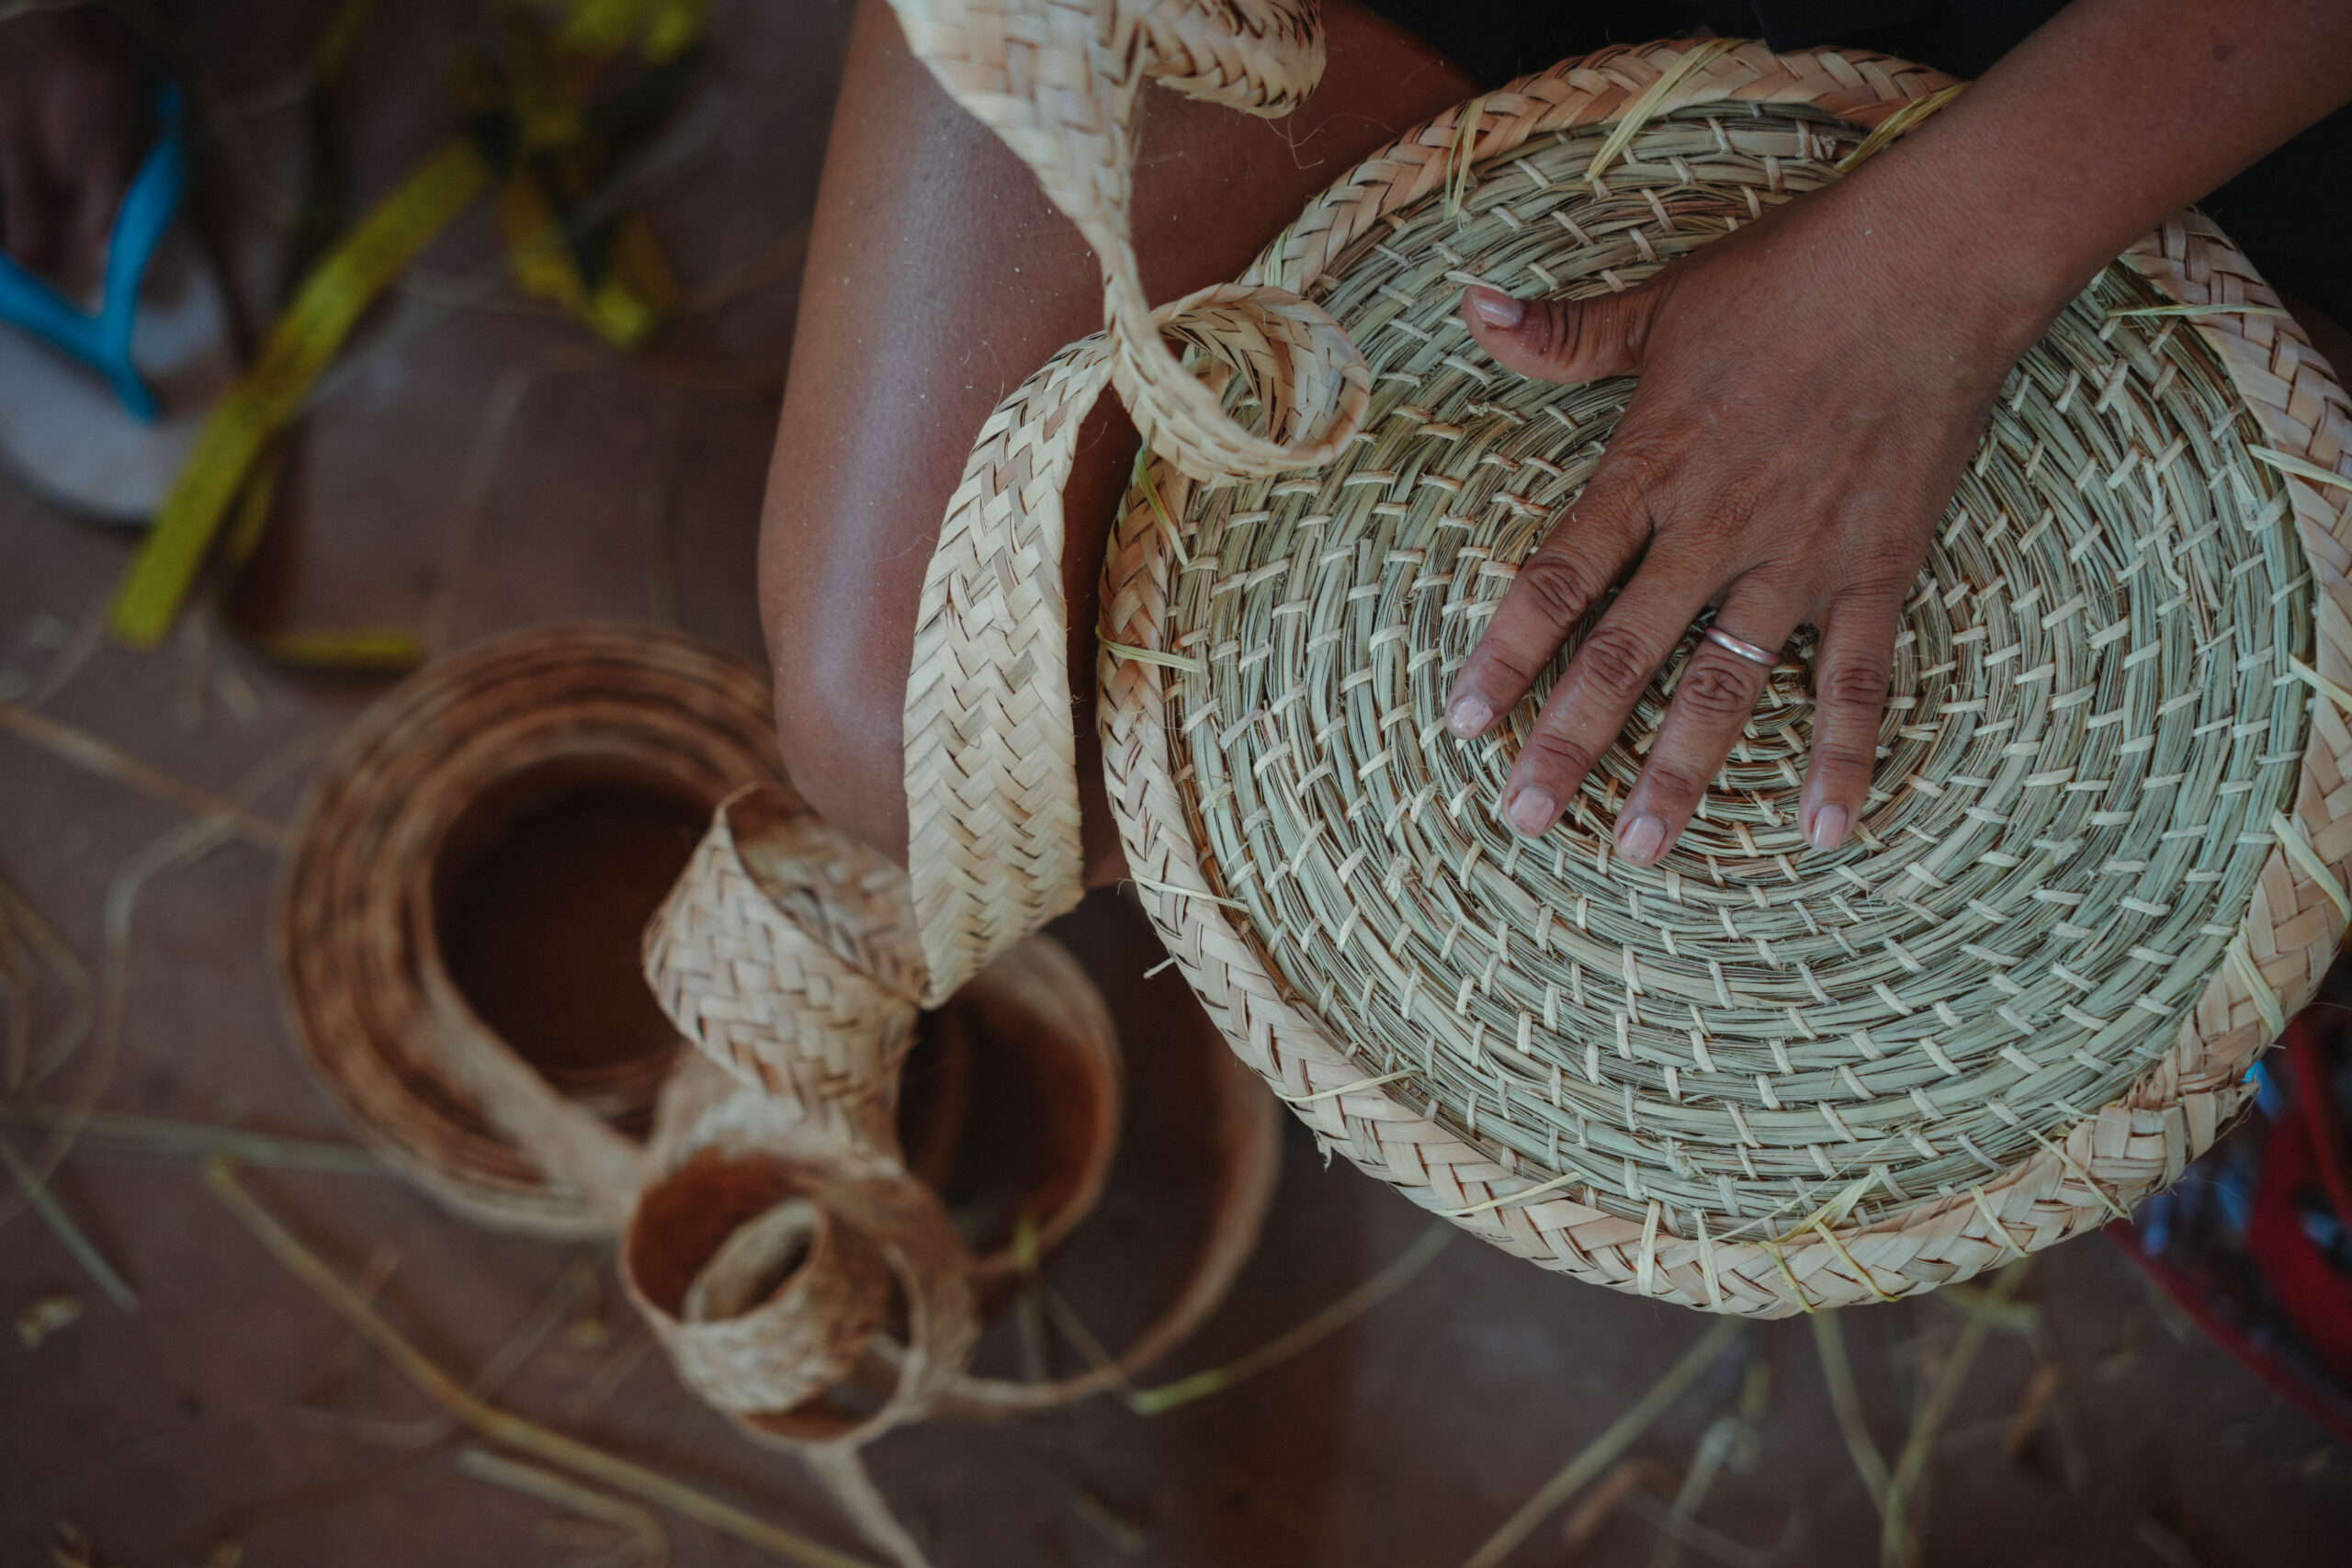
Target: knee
(838, 702)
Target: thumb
(1562, 340)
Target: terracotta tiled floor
(234, 1407)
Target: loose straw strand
(1601, 1452)
(513, 1430)
(1639, 112)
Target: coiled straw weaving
(2105, 851)
(501, 728)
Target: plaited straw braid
(520, 719)
(1057, 81)
(726, 1158)
(436, 770)
(1753, 1078)
(787, 953)
(722, 1168)
(793, 963)
(990, 773)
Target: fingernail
(1642, 841)
(1828, 827)
(1531, 810)
(1494, 307)
(1469, 716)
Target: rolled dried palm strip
(800, 1336)
(723, 1155)
(751, 1265)
(787, 954)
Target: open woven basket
(2105, 852)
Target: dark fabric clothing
(2289, 212)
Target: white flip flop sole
(63, 429)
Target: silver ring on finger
(1743, 647)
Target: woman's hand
(74, 121)
(1811, 386)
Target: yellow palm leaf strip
(2301, 468)
(1984, 1207)
(2259, 991)
(2322, 684)
(1152, 656)
(2213, 307)
(1143, 479)
(1509, 1197)
(1846, 1404)
(70, 1234)
(1457, 162)
(1186, 892)
(1400, 1272)
(106, 760)
(158, 1137)
(1707, 1266)
(1835, 1212)
(1804, 1301)
(363, 648)
(1919, 1445)
(1373, 1083)
(301, 343)
(1649, 1249)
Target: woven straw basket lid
(2105, 849)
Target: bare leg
(938, 278)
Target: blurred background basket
(458, 926)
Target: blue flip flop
(102, 340)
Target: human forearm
(2114, 114)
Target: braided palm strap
(991, 770)
(2100, 861)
